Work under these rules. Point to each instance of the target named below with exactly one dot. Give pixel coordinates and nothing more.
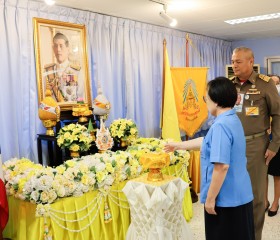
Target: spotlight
(50, 2)
(171, 21)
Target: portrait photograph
(61, 62)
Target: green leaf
(93, 169)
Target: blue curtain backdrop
(125, 56)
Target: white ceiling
(207, 18)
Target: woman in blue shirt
(225, 183)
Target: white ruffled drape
(156, 211)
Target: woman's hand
(210, 206)
(170, 147)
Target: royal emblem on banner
(191, 106)
(189, 86)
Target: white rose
(35, 196)
(52, 196)
(44, 197)
(60, 191)
(100, 166)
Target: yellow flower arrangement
(75, 137)
(123, 129)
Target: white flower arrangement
(41, 185)
(44, 185)
(75, 137)
(123, 129)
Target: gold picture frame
(61, 62)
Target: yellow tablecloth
(23, 225)
(194, 170)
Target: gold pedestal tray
(74, 154)
(49, 124)
(82, 119)
(81, 111)
(155, 162)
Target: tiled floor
(271, 229)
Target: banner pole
(163, 84)
(187, 62)
(187, 50)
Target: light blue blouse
(225, 143)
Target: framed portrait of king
(61, 62)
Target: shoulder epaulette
(264, 77)
(75, 66)
(49, 65)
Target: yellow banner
(189, 86)
(170, 127)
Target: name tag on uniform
(239, 102)
(253, 91)
(252, 111)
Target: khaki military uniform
(260, 102)
(64, 81)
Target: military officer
(259, 102)
(63, 78)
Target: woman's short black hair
(222, 91)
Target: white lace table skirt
(156, 211)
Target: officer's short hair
(222, 91)
(244, 49)
(60, 35)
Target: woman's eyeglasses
(204, 99)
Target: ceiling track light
(171, 21)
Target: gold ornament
(81, 111)
(49, 112)
(155, 162)
(103, 141)
(74, 154)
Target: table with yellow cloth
(194, 170)
(82, 218)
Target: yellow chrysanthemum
(60, 169)
(133, 131)
(100, 176)
(85, 179)
(74, 147)
(21, 184)
(71, 163)
(67, 135)
(70, 126)
(109, 168)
